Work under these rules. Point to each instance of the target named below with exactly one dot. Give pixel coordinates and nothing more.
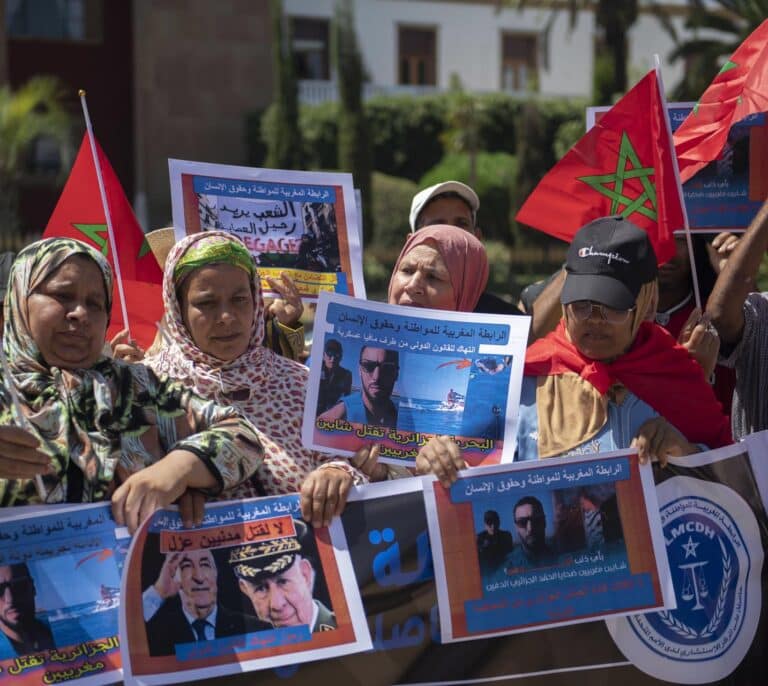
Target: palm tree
(731, 21)
(614, 19)
(32, 112)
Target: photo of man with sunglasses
(531, 525)
(21, 632)
(373, 404)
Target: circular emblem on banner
(715, 559)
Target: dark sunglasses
(16, 585)
(523, 522)
(389, 368)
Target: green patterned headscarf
(72, 412)
(33, 265)
(213, 249)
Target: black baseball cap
(607, 262)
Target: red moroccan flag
(80, 214)
(623, 165)
(740, 89)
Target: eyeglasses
(582, 310)
(523, 522)
(16, 585)
(388, 368)
(333, 353)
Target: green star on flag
(94, 231)
(612, 185)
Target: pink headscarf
(463, 254)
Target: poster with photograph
(566, 540)
(298, 222)
(727, 193)
(59, 595)
(398, 376)
(254, 587)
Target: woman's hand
(324, 495)
(442, 457)
(192, 508)
(699, 337)
(125, 348)
(19, 457)
(366, 459)
(658, 438)
(157, 486)
(288, 308)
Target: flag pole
(678, 183)
(105, 204)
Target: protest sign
(411, 374)
(713, 520)
(587, 544)
(385, 526)
(726, 194)
(253, 587)
(300, 223)
(59, 595)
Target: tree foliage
(34, 111)
(355, 152)
(284, 145)
(719, 28)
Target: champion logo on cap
(591, 252)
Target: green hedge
(406, 130)
(495, 175)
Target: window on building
(311, 53)
(519, 62)
(73, 20)
(417, 56)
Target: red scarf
(656, 369)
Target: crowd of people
(212, 412)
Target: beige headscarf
(570, 409)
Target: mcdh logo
(715, 564)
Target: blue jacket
(620, 428)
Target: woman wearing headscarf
(92, 427)
(215, 326)
(606, 378)
(440, 267)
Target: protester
(440, 267)
(455, 204)
(675, 310)
(606, 378)
(90, 423)
(283, 331)
(214, 329)
(6, 260)
(678, 314)
(741, 318)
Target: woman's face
(217, 308)
(422, 280)
(68, 314)
(597, 338)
